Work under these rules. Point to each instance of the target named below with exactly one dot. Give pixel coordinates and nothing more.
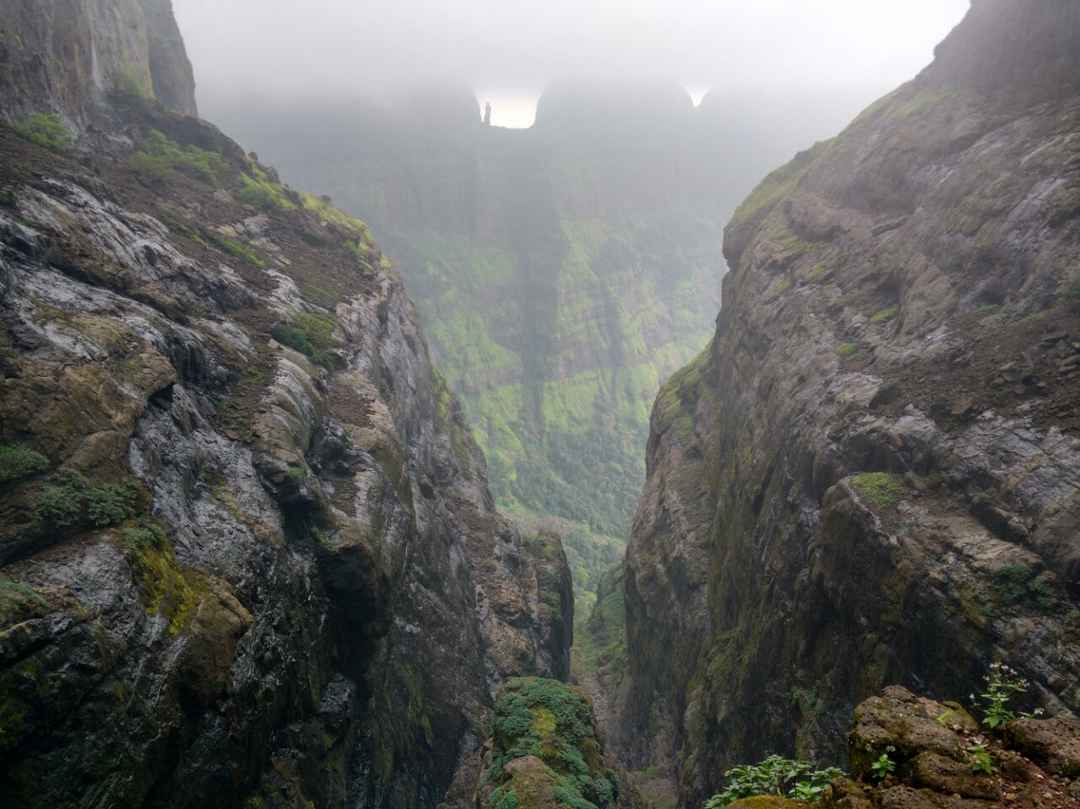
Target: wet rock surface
(248, 556)
(933, 749)
(870, 474)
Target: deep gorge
(261, 547)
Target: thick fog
(508, 51)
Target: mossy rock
(768, 802)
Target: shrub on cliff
(47, 131)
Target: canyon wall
(869, 476)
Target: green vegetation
(47, 131)
(1003, 684)
(553, 722)
(777, 185)
(135, 82)
(885, 315)
(881, 489)
(1017, 585)
(883, 765)
(261, 191)
(158, 157)
(774, 776)
(72, 502)
(166, 588)
(982, 763)
(17, 462)
(847, 350)
(18, 601)
(325, 210)
(234, 248)
(313, 336)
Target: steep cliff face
(68, 56)
(248, 555)
(561, 272)
(870, 475)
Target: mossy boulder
(545, 750)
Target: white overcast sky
(510, 49)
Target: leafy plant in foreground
(1002, 684)
(982, 763)
(884, 766)
(774, 776)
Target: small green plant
(17, 461)
(884, 766)
(847, 350)
(982, 763)
(1003, 683)
(885, 315)
(47, 131)
(813, 788)
(774, 776)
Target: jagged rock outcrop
(870, 475)
(69, 56)
(248, 556)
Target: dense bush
(553, 722)
(17, 461)
(72, 502)
(46, 130)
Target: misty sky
(509, 49)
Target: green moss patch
(166, 588)
(847, 350)
(880, 489)
(885, 315)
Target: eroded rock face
(869, 476)
(69, 56)
(248, 555)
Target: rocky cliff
(248, 555)
(870, 475)
(68, 56)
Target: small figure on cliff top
(487, 114)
